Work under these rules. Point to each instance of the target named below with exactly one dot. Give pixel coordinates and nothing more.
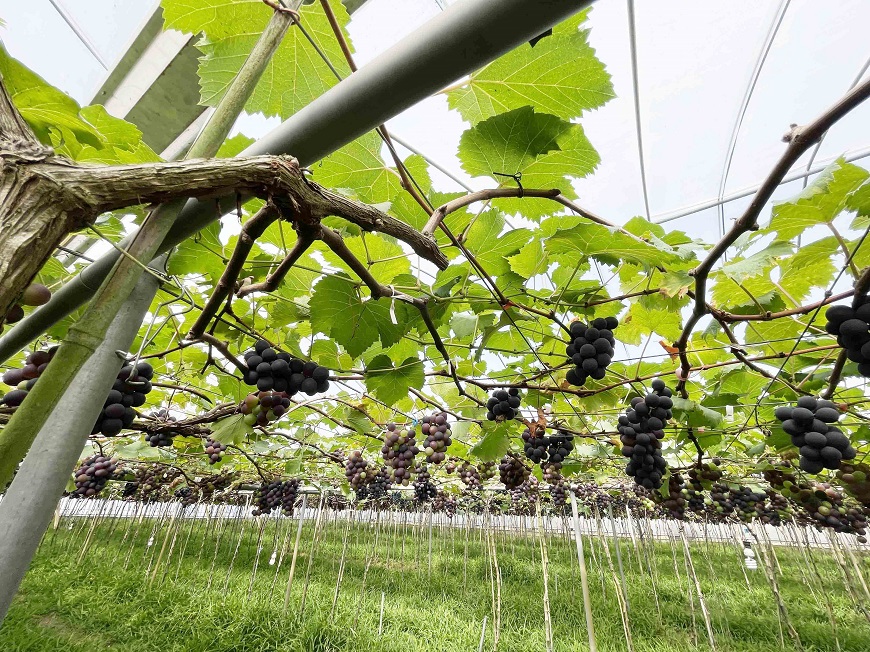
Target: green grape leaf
(818, 203)
(492, 249)
(494, 443)
(546, 150)
(580, 238)
(694, 414)
(740, 270)
(294, 76)
(390, 384)
(83, 134)
(561, 75)
(338, 311)
(357, 169)
(231, 430)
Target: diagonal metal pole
(463, 38)
(25, 513)
(27, 508)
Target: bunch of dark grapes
(437, 440)
(424, 488)
(378, 487)
(23, 379)
(186, 495)
(851, 327)
(213, 483)
(130, 489)
(641, 432)
(512, 472)
(93, 474)
(559, 446)
(503, 405)
(550, 473)
(855, 480)
(524, 497)
(163, 436)
(821, 446)
(777, 509)
(128, 392)
(398, 451)
(540, 448)
(469, 476)
(264, 407)
(559, 495)
(823, 504)
(269, 369)
(675, 503)
(535, 445)
(444, 502)
(274, 495)
(828, 509)
(336, 501)
(153, 478)
(704, 475)
(590, 349)
(214, 450)
(695, 501)
(748, 504)
(356, 470)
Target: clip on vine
(516, 177)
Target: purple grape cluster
(398, 451)
(590, 349)
(851, 327)
(128, 392)
(641, 430)
(93, 475)
(214, 450)
(269, 369)
(23, 379)
(503, 405)
(274, 495)
(512, 472)
(822, 446)
(162, 437)
(424, 488)
(437, 440)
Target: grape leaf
(231, 430)
(818, 203)
(494, 443)
(86, 134)
(561, 75)
(576, 236)
(694, 414)
(294, 76)
(358, 169)
(544, 149)
(489, 247)
(389, 383)
(338, 311)
(739, 270)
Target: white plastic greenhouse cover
(696, 65)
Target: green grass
(112, 594)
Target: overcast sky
(695, 62)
